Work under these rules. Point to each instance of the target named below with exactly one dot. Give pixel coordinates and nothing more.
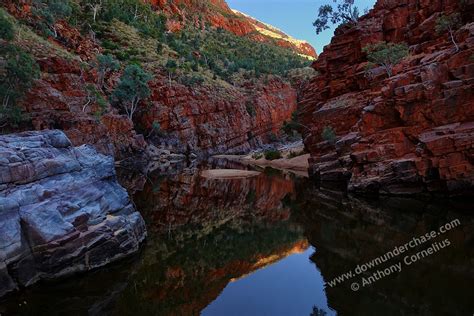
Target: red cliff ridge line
(408, 134)
(218, 14)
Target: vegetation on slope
(130, 32)
(17, 71)
(217, 51)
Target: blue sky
(294, 17)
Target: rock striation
(61, 210)
(407, 134)
(219, 119)
(58, 101)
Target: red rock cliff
(220, 119)
(200, 118)
(411, 133)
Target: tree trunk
(451, 34)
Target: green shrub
(95, 97)
(7, 32)
(47, 12)
(17, 74)
(159, 48)
(192, 80)
(105, 65)
(250, 107)
(123, 56)
(272, 154)
(386, 55)
(273, 138)
(132, 88)
(328, 134)
(257, 156)
(293, 126)
(156, 130)
(110, 45)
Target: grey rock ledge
(62, 210)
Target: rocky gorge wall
(214, 119)
(58, 101)
(408, 134)
(206, 118)
(61, 210)
(199, 119)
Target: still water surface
(267, 246)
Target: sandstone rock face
(61, 210)
(203, 119)
(230, 119)
(59, 100)
(200, 118)
(411, 133)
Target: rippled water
(267, 246)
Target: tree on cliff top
(345, 12)
(386, 55)
(132, 88)
(449, 23)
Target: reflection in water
(264, 246)
(351, 232)
(289, 287)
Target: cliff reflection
(348, 232)
(203, 234)
(206, 233)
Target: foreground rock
(408, 134)
(61, 210)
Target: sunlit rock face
(198, 13)
(407, 134)
(347, 232)
(61, 210)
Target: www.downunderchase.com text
(398, 252)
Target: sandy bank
(298, 165)
(228, 174)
